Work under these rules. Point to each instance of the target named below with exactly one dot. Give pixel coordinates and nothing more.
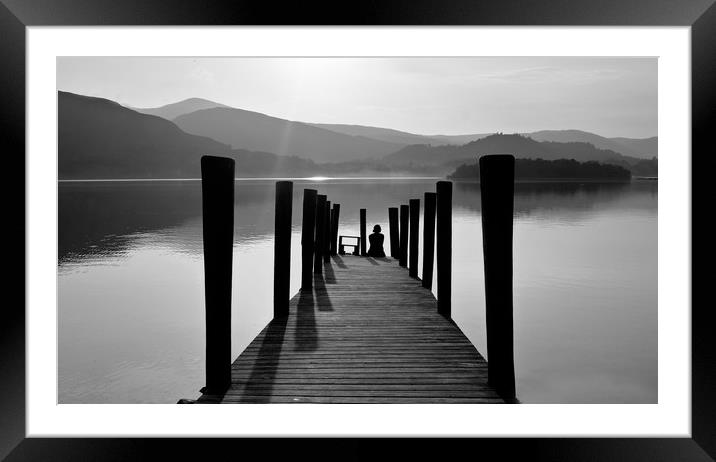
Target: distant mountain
(459, 139)
(259, 132)
(171, 111)
(518, 145)
(382, 134)
(644, 148)
(647, 147)
(400, 137)
(634, 147)
(100, 139)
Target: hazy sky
(607, 96)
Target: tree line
(549, 169)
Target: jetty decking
(367, 332)
(361, 329)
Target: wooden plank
(218, 399)
(366, 333)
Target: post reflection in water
(131, 306)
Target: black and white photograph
(357, 230)
(412, 228)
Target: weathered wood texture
(217, 197)
(363, 234)
(404, 219)
(308, 237)
(335, 218)
(428, 239)
(394, 232)
(366, 333)
(282, 248)
(327, 233)
(414, 238)
(497, 186)
(443, 230)
(320, 234)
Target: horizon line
(306, 179)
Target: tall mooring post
(428, 239)
(497, 188)
(363, 236)
(308, 232)
(335, 215)
(404, 216)
(327, 233)
(320, 233)
(394, 232)
(444, 247)
(414, 237)
(282, 248)
(217, 208)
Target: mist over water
(131, 300)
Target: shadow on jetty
(319, 287)
(306, 336)
(258, 388)
(330, 274)
(339, 262)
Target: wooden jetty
(344, 343)
(362, 329)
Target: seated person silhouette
(376, 243)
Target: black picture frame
(700, 15)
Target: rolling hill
(368, 141)
(647, 147)
(518, 145)
(100, 139)
(633, 147)
(174, 110)
(382, 134)
(258, 132)
(644, 148)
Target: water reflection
(131, 283)
(104, 220)
(570, 197)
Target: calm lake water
(131, 306)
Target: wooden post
(320, 232)
(308, 231)
(428, 239)
(404, 212)
(394, 232)
(362, 232)
(282, 248)
(335, 215)
(497, 187)
(217, 205)
(444, 247)
(327, 234)
(414, 238)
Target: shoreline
(306, 179)
(556, 180)
(384, 178)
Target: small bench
(342, 245)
